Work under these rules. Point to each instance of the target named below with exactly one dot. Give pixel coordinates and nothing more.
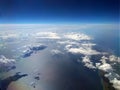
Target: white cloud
(87, 62)
(82, 47)
(64, 42)
(110, 59)
(6, 64)
(55, 51)
(116, 83)
(47, 35)
(113, 79)
(76, 36)
(82, 50)
(77, 43)
(103, 59)
(88, 44)
(118, 59)
(105, 67)
(113, 58)
(9, 36)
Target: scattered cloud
(87, 62)
(113, 58)
(76, 36)
(86, 44)
(81, 50)
(116, 83)
(107, 66)
(47, 35)
(67, 42)
(56, 52)
(104, 65)
(6, 64)
(75, 43)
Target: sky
(59, 11)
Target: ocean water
(108, 39)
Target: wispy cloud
(47, 35)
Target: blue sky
(59, 11)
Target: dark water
(74, 76)
(109, 40)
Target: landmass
(105, 81)
(6, 82)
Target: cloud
(105, 67)
(113, 58)
(81, 50)
(56, 52)
(85, 44)
(9, 36)
(76, 44)
(64, 42)
(76, 36)
(30, 49)
(116, 83)
(87, 62)
(6, 64)
(47, 35)
(114, 79)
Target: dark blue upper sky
(59, 11)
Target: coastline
(105, 81)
